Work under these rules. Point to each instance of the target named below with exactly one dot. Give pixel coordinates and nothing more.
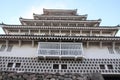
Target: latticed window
(9, 48)
(60, 48)
(55, 24)
(80, 25)
(72, 24)
(64, 24)
(110, 49)
(3, 47)
(117, 49)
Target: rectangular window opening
(55, 66)
(110, 66)
(64, 66)
(102, 66)
(10, 65)
(17, 64)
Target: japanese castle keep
(60, 41)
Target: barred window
(3, 47)
(60, 48)
(117, 49)
(110, 49)
(9, 48)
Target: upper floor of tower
(60, 22)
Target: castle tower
(60, 41)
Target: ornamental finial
(20, 17)
(33, 13)
(100, 19)
(118, 25)
(2, 23)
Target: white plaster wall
(23, 51)
(27, 50)
(97, 52)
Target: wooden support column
(70, 32)
(51, 24)
(32, 43)
(49, 32)
(100, 44)
(19, 31)
(87, 44)
(80, 32)
(90, 32)
(59, 24)
(100, 32)
(76, 24)
(60, 32)
(39, 31)
(43, 23)
(68, 24)
(7, 42)
(35, 23)
(20, 43)
(113, 45)
(29, 31)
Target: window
(55, 24)
(64, 66)
(17, 64)
(10, 65)
(60, 48)
(110, 49)
(102, 66)
(80, 25)
(72, 24)
(110, 66)
(3, 47)
(55, 66)
(117, 49)
(9, 48)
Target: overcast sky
(107, 10)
